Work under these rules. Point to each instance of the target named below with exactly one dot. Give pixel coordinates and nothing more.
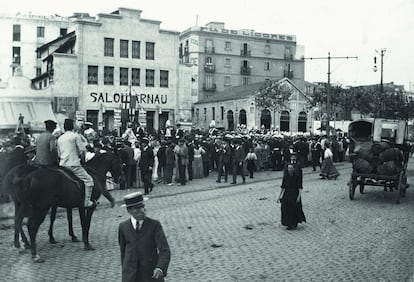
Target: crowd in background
(175, 155)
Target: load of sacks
(378, 157)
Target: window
(267, 65)
(136, 73)
(245, 80)
(213, 111)
(63, 31)
(136, 48)
(267, 49)
(209, 60)
(227, 80)
(16, 32)
(109, 47)
(92, 74)
(227, 46)
(205, 113)
(38, 71)
(40, 31)
(149, 50)
(123, 76)
(123, 48)
(109, 75)
(227, 63)
(38, 55)
(149, 78)
(222, 112)
(16, 55)
(163, 78)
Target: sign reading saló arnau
(105, 97)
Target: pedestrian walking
(251, 159)
(169, 163)
(182, 160)
(290, 197)
(145, 164)
(198, 151)
(145, 253)
(238, 159)
(328, 169)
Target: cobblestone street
(233, 233)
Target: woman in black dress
(290, 197)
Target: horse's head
(101, 163)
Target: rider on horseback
(46, 150)
(71, 150)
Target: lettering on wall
(117, 98)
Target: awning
(34, 113)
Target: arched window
(284, 121)
(230, 120)
(265, 119)
(302, 121)
(242, 117)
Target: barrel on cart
(379, 151)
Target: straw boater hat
(134, 199)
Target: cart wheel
(361, 188)
(352, 185)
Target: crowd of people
(178, 156)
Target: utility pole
(381, 53)
(328, 87)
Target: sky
(341, 28)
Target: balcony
(245, 53)
(209, 50)
(245, 70)
(209, 68)
(288, 73)
(209, 87)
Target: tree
(272, 96)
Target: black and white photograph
(197, 141)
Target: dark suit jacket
(147, 159)
(143, 251)
(239, 155)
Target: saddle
(69, 175)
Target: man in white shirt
(71, 150)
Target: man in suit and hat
(145, 165)
(238, 158)
(145, 253)
(71, 151)
(46, 148)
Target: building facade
(237, 106)
(21, 35)
(226, 58)
(117, 67)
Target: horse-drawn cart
(379, 153)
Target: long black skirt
(291, 211)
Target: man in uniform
(71, 151)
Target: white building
(117, 62)
(21, 35)
(237, 106)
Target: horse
(45, 188)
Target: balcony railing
(245, 70)
(209, 68)
(245, 53)
(288, 73)
(210, 50)
(209, 87)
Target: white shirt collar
(134, 222)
